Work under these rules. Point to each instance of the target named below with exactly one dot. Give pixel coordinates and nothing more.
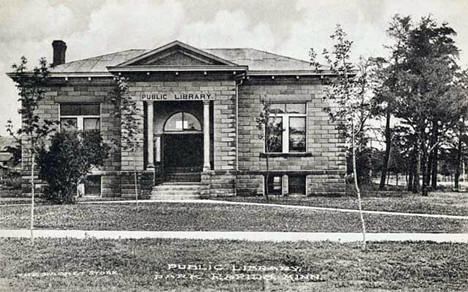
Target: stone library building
(198, 121)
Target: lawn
(147, 265)
(448, 203)
(214, 217)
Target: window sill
(290, 154)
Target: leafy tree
(67, 161)
(128, 113)
(457, 136)
(386, 94)
(349, 93)
(270, 132)
(424, 76)
(31, 87)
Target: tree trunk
(135, 175)
(388, 142)
(267, 178)
(32, 194)
(417, 171)
(435, 156)
(429, 169)
(412, 167)
(459, 162)
(424, 171)
(358, 192)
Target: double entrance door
(182, 156)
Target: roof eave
(289, 73)
(68, 74)
(152, 68)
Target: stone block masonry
(323, 163)
(237, 158)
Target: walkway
(283, 206)
(239, 235)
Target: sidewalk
(248, 236)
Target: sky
(288, 27)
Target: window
(275, 137)
(296, 184)
(288, 133)
(84, 117)
(92, 185)
(181, 122)
(275, 184)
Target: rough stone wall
(325, 152)
(134, 159)
(144, 183)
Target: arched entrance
(182, 147)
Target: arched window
(180, 122)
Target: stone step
(174, 187)
(176, 191)
(182, 177)
(174, 197)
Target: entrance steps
(176, 191)
(192, 177)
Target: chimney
(59, 52)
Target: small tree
(67, 161)
(269, 132)
(31, 90)
(15, 149)
(349, 92)
(127, 112)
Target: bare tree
(31, 87)
(128, 113)
(269, 132)
(349, 93)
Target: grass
(133, 264)
(449, 203)
(214, 217)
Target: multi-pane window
(275, 184)
(182, 121)
(288, 133)
(84, 117)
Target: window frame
(304, 187)
(285, 127)
(183, 131)
(271, 187)
(79, 118)
(100, 186)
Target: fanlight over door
(182, 122)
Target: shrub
(13, 180)
(69, 158)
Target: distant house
(6, 158)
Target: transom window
(289, 127)
(181, 122)
(85, 117)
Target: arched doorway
(183, 145)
